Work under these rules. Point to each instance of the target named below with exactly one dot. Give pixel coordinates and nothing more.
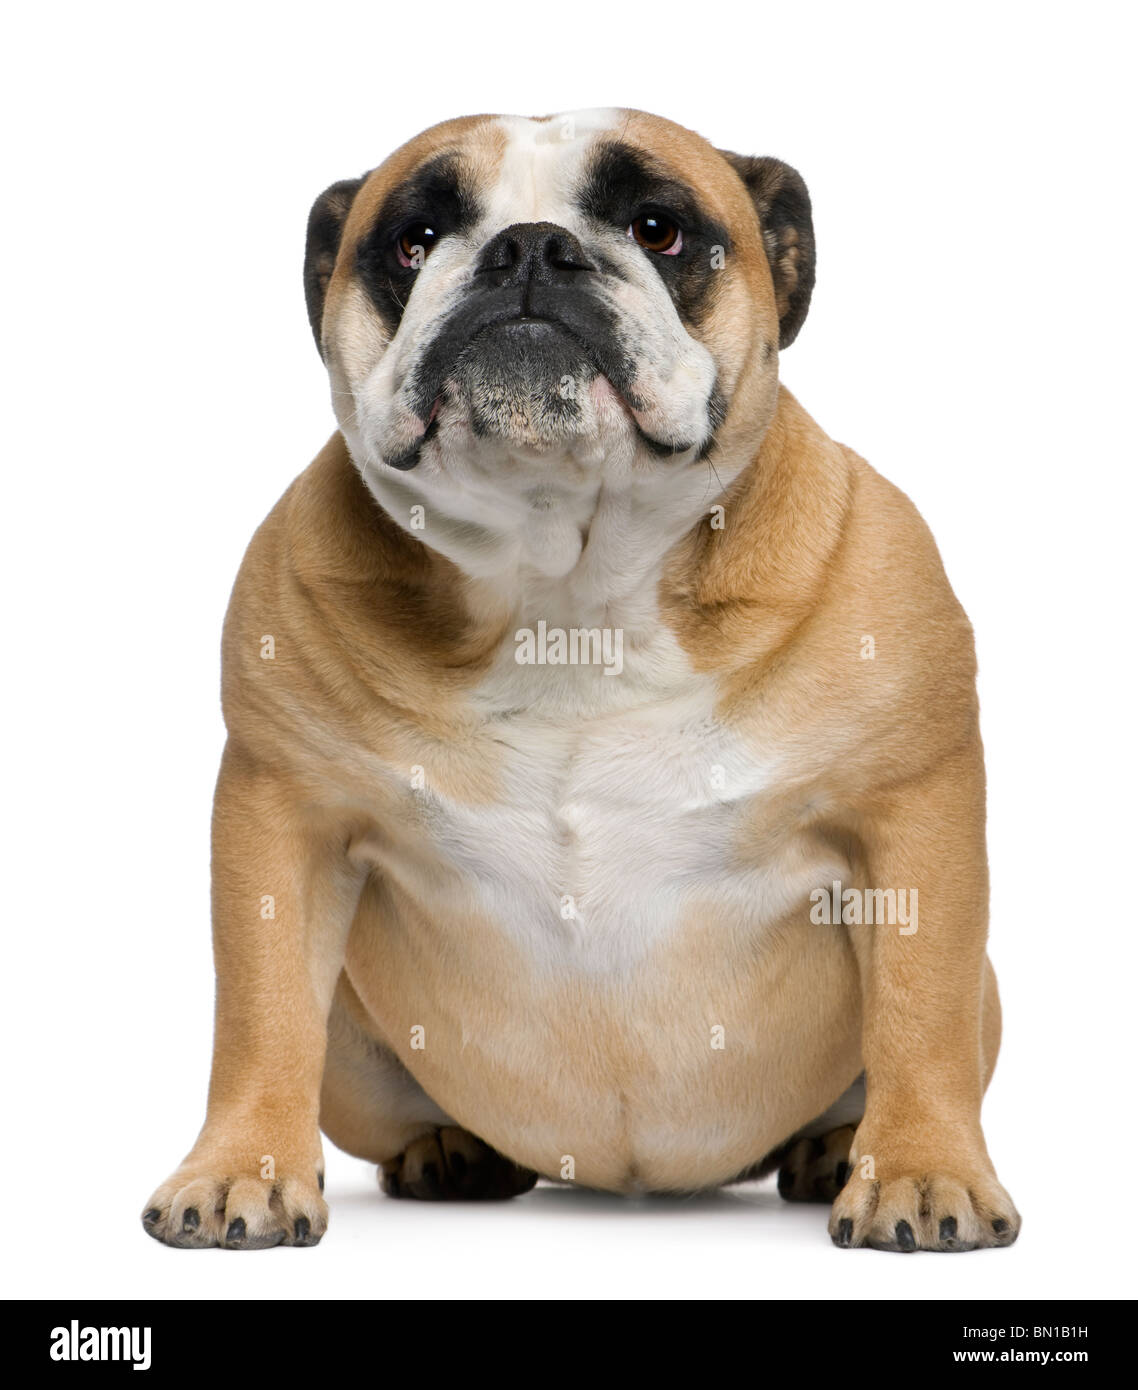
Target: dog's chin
(527, 384)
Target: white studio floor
(559, 1243)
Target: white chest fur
(620, 810)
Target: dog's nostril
(533, 250)
(502, 253)
(562, 254)
(505, 255)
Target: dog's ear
(783, 205)
(325, 227)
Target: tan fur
(376, 653)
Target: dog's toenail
(948, 1228)
(999, 1225)
(236, 1231)
(845, 1233)
(151, 1216)
(785, 1181)
(320, 1181)
(458, 1165)
(190, 1219)
(903, 1234)
(302, 1229)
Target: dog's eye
(657, 232)
(415, 244)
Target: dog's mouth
(517, 368)
(516, 318)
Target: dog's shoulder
(337, 613)
(824, 610)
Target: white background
(971, 334)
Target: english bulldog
(603, 799)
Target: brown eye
(416, 244)
(657, 232)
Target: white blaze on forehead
(542, 164)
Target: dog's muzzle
(529, 333)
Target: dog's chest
(616, 812)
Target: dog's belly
(594, 972)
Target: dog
(589, 713)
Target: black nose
(533, 253)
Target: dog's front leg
(921, 1177)
(283, 899)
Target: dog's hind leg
(452, 1165)
(816, 1169)
(370, 1104)
(813, 1164)
(372, 1107)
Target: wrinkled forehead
(562, 168)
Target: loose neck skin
(712, 544)
(601, 552)
(738, 593)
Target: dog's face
(505, 298)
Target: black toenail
(785, 1181)
(320, 1181)
(190, 1219)
(845, 1233)
(302, 1230)
(151, 1216)
(431, 1177)
(948, 1228)
(236, 1231)
(457, 1165)
(999, 1225)
(842, 1174)
(903, 1235)
(818, 1148)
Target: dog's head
(505, 296)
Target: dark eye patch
(440, 194)
(621, 183)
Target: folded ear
(325, 227)
(783, 205)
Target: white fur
(632, 815)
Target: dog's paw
(452, 1165)
(216, 1204)
(931, 1211)
(815, 1170)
